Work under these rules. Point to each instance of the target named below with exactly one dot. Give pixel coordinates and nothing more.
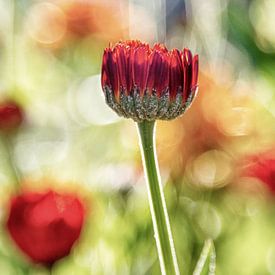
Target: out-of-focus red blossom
(261, 167)
(83, 19)
(146, 83)
(211, 123)
(45, 225)
(11, 116)
(79, 18)
(191, 134)
(57, 24)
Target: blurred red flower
(57, 24)
(205, 127)
(45, 225)
(146, 83)
(11, 116)
(261, 167)
(83, 20)
(79, 17)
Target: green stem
(208, 251)
(162, 230)
(9, 157)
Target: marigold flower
(45, 225)
(11, 116)
(146, 83)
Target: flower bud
(11, 116)
(146, 83)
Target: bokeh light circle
(210, 169)
(87, 105)
(46, 23)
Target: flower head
(45, 225)
(146, 83)
(11, 116)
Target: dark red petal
(129, 53)
(154, 65)
(121, 57)
(124, 51)
(112, 72)
(104, 70)
(175, 73)
(163, 79)
(158, 75)
(140, 67)
(187, 72)
(195, 71)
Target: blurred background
(217, 161)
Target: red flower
(45, 225)
(83, 20)
(146, 83)
(80, 18)
(11, 116)
(262, 167)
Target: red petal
(140, 67)
(187, 72)
(121, 57)
(112, 72)
(175, 73)
(195, 69)
(134, 43)
(158, 75)
(160, 47)
(104, 71)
